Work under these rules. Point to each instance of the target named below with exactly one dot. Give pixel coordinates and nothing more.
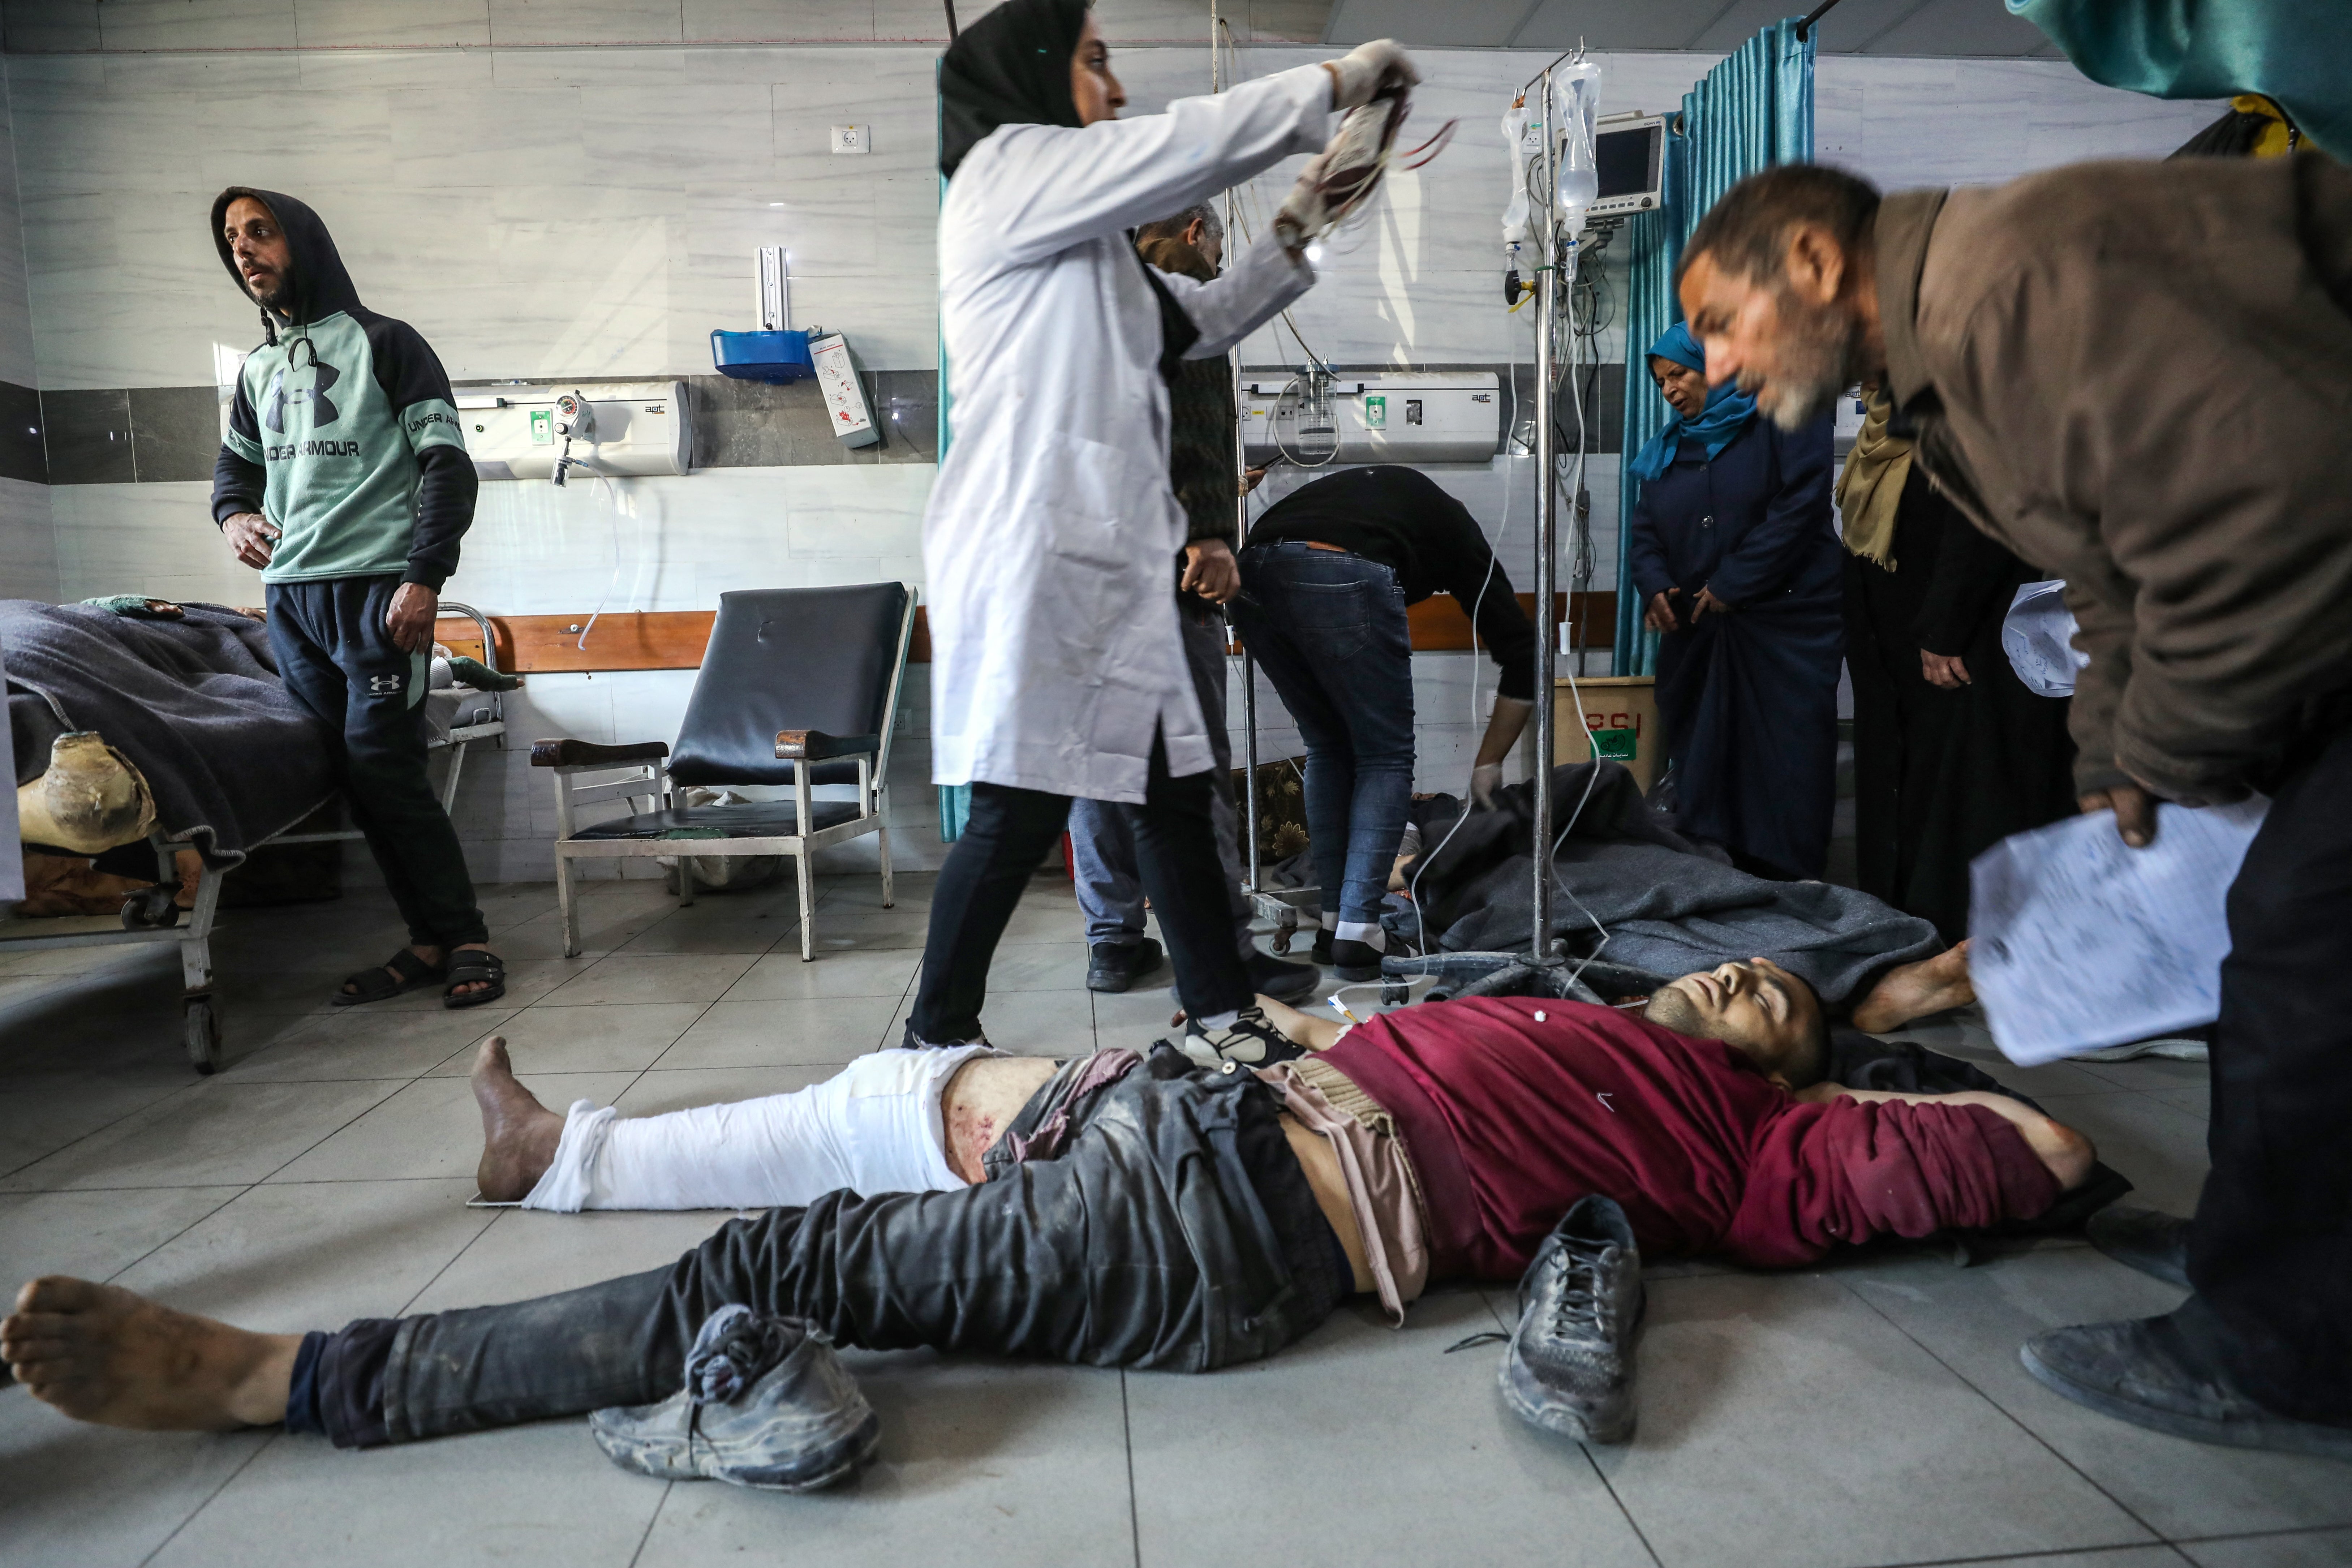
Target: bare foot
(519, 1133)
(1916, 990)
(100, 1354)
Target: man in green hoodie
(344, 480)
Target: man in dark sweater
(1326, 577)
(346, 481)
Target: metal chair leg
(568, 903)
(808, 908)
(883, 833)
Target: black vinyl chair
(798, 687)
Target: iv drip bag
(1515, 211)
(1576, 94)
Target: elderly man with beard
(2135, 374)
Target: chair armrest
(815, 746)
(584, 753)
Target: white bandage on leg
(873, 1127)
(1369, 933)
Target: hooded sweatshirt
(343, 433)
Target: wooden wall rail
(674, 639)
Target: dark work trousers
(1010, 832)
(2269, 1252)
(339, 661)
(1174, 1231)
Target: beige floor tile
(1038, 966)
(432, 1128)
(361, 1042)
(42, 1114)
(784, 977)
(531, 1494)
(624, 1037)
(211, 1134)
(1974, 1319)
(1029, 1023)
(775, 1034)
(653, 977)
(2160, 1147)
(93, 1236)
(294, 1257)
(1782, 1421)
(2311, 1548)
(526, 1253)
(980, 1462)
(1338, 1414)
(94, 1497)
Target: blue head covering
(1727, 413)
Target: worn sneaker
(2146, 1371)
(766, 1404)
(1569, 1368)
(1357, 961)
(1251, 1040)
(1113, 966)
(2154, 1242)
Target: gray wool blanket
(1667, 908)
(196, 704)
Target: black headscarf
(1010, 68)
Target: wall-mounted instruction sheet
(2078, 942)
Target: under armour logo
(323, 411)
(385, 685)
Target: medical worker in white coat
(1057, 668)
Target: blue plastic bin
(772, 357)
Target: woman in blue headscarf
(1735, 556)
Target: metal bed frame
(150, 916)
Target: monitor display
(1630, 159)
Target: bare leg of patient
(1916, 990)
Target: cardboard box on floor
(1619, 722)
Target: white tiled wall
(591, 210)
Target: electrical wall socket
(850, 139)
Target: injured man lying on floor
(1118, 1210)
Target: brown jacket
(2140, 377)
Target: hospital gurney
(457, 718)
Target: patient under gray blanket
(196, 704)
(1668, 909)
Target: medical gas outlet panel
(637, 428)
(1390, 417)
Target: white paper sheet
(2077, 941)
(2038, 636)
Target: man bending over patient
(1144, 1212)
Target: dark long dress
(1940, 776)
(1750, 698)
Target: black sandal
(408, 971)
(471, 966)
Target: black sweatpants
(2269, 1252)
(339, 661)
(1010, 830)
(1175, 1230)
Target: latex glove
(1305, 214)
(1484, 782)
(1361, 72)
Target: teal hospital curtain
(1753, 110)
(2296, 53)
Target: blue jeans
(1102, 834)
(1328, 630)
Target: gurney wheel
(151, 909)
(1395, 992)
(1281, 942)
(200, 1028)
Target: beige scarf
(1871, 489)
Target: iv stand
(1547, 534)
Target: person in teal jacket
(344, 480)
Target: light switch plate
(850, 139)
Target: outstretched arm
(2066, 1153)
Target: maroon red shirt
(1509, 1120)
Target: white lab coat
(1050, 541)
